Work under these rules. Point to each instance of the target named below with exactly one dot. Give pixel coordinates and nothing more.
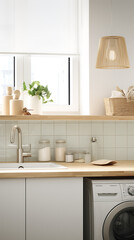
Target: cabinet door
(12, 209)
(54, 209)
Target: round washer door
(119, 223)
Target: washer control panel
(128, 191)
(131, 190)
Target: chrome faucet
(20, 153)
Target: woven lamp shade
(112, 53)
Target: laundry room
(66, 120)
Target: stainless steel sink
(30, 166)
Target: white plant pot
(35, 104)
(25, 97)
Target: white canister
(60, 150)
(44, 153)
(69, 157)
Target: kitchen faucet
(20, 153)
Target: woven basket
(118, 107)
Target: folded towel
(130, 94)
(117, 94)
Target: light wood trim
(65, 117)
(120, 169)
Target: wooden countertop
(64, 117)
(120, 169)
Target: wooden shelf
(64, 117)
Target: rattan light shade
(112, 53)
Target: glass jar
(78, 157)
(44, 153)
(69, 157)
(87, 157)
(60, 150)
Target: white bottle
(94, 148)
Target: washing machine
(109, 209)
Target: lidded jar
(60, 150)
(44, 153)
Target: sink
(30, 166)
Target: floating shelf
(64, 117)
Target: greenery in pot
(35, 89)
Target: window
(6, 74)
(50, 45)
(60, 73)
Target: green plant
(35, 89)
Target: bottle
(44, 153)
(6, 101)
(93, 148)
(60, 149)
(87, 157)
(16, 105)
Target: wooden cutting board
(103, 162)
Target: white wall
(102, 81)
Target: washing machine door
(119, 223)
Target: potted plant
(38, 94)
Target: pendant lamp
(112, 53)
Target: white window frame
(23, 73)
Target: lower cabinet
(54, 209)
(41, 208)
(12, 209)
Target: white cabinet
(41, 208)
(12, 209)
(54, 209)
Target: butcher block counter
(119, 169)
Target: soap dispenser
(16, 105)
(94, 148)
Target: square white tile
(121, 141)
(47, 129)
(109, 128)
(130, 141)
(109, 141)
(131, 128)
(84, 141)
(34, 129)
(130, 154)
(100, 153)
(60, 129)
(121, 153)
(121, 128)
(85, 129)
(11, 155)
(97, 128)
(72, 129)
(72, 141)
(109, 153)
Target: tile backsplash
(115, 139)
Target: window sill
(64, 117)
